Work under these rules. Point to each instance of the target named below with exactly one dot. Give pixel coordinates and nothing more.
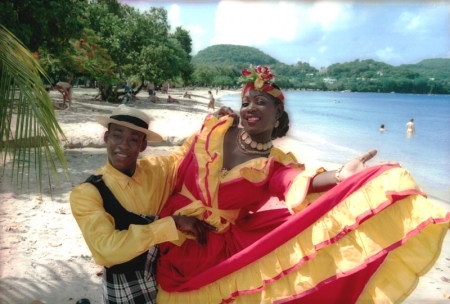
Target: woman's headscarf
(260, 79)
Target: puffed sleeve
(110, 246)
(291, 185)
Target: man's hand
(223, 111)
(194, 226)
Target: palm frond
(29, 132)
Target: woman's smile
(252, 120)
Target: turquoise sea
(341, 125)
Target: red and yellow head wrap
(260, 79)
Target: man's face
(123, 146)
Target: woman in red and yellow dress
(356, 234)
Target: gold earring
(277, 124)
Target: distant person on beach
(66, 90)
(117, 208)
(186, 95)
(153, 98)
(127, 97)
(55, 105)
(382, 129)
(126, 88)
(172, 100)
(211, 101)
(410, 129)
(352, 226)
(150, 88)
(165, 89)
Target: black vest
(122, 219)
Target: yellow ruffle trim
(389, 226)
(208, 149)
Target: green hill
(438, 68)
(221, 65)
(235, 56)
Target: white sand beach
(43, 257)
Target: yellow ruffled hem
(276, 277)
(401, 271)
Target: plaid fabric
(137, 287)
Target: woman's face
(259, 112)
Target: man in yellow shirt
(117, 208)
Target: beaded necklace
(261, 149)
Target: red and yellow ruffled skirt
(369, 239)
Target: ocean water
(340, 126)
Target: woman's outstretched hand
(327, 180)
(356, 165)
(359, 163)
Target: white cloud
(173, 16)
(324, 13)
(262, 23)
(255, 23)
(197, 33)
(407, 22)
(332, 16)
(422, 21)
(387, 54)
(414, 23)
(314, 61)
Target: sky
(320, 33)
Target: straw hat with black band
(131, 118)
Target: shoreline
(44, 258)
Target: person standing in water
(410, 126)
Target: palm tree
(28, 126)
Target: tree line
(102, 42)
(221, 65)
